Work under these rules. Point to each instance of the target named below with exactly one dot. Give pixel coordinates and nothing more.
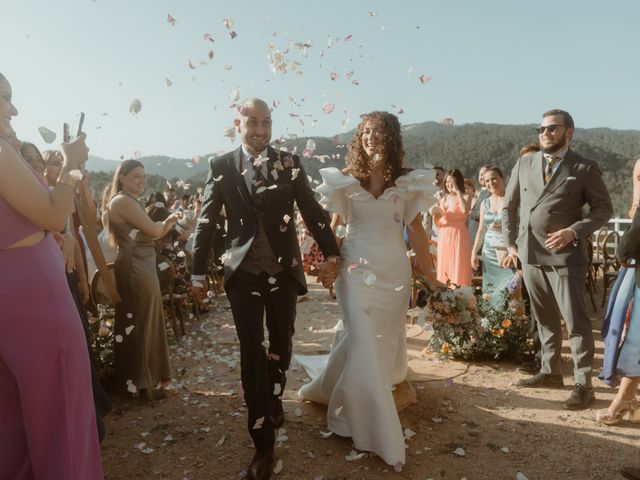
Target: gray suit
(556, 279)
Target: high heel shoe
(618, 410)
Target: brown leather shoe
(632, 473)
(541, 380)
(276, 412)
(580, 398)
(261, 465)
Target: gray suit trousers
(557, 293)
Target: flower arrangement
(467, 325)
(102, 339)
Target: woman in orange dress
(454, 244)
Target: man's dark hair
(566, 117)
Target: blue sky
(493, 61)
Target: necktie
(548, 169)
(258, 181)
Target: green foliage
(465, 147)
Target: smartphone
(72, 130)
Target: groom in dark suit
(546, 227)
(263, 270)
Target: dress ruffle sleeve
(418, 189)
(335, 189)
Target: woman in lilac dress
(47, 418)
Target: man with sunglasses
(545, 227)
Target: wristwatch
(335, 259)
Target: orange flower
(506, 323)
(497, 332)
(445, 348)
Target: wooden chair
(598, 241)
(166, 276)
(610, 264)
(99, 292)
(188, 261)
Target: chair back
(166, 274)
(609, 251)
(99, 291)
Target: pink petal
(208, 36)
(334, 76)
(233, 34)
(328, 107)
(171, 20)
(348, 37)
(424, 79)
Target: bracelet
(71, 178)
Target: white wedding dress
(373, 288)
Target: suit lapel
(235, 163)
(536, 174)
(559, 176)
(272, 156)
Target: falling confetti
(459, 452)
(47, 135)
(339, 410)
(278, 468)
(258, 424)
(353, 455)
(118, 338)
(171, 20)
(129, 329)
(234, 95)
(228, 23)
(135, 107)
(369, 278)
(341, 232)
(328, 107)
(424, 78)
(233, 34)
(168, 81)
(209, 37)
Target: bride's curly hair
(391, 151)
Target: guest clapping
(454, 245)
(142, 358)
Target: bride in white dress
(371, 206)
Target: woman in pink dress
(47, 418)
(454, 244)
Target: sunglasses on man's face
(552, 128)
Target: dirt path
(201, 433)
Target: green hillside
(465, 147)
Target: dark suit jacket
(629, 247)
(226, 186)
(533, 209)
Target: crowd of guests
(52, 401)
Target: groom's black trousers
(262, 369)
